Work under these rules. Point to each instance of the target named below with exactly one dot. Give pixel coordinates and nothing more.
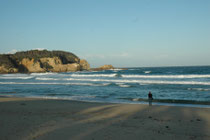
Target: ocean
(169, 85)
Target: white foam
(122, 85)
(143, 84)
(132, 69)
(81, 84)
(176, 82)
(75, 97)
(166, 76)
(106, 84)
(143, 81)
(135, 99)
(199, 89)
(116, 70)
(44, 78)
(27, 83)
(10, 77)
(49, 83)
(46, 73)
(125, 86)
(119, 83)
(147, 72)
(93, 75)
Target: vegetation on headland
(66, 57)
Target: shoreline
(159, 102)
(47, 119)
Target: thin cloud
(40, 49)
(12, 51)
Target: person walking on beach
(150, 98)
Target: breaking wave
(38, 78)
(40, 74)
(199, 89)
(93, 75)
(166, 76)
(49, 83)
(147, 72)
(142, 81)
(125, 86)
(18, 77)
(128, 76)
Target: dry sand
(40, 119)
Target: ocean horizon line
(164, 66)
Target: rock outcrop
(41, 61)
(84, 65)
(104, 67)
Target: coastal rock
(55, 65)
(31, 65)
(104, 67)
(6, 70)
(41, 61)
(84, 65)
(7, 65)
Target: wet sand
(44, 119)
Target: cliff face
(41, 61)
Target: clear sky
(124, 33)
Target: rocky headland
(104, 67)
(35, 61)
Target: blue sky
(124, 33)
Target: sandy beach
(44, 119)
